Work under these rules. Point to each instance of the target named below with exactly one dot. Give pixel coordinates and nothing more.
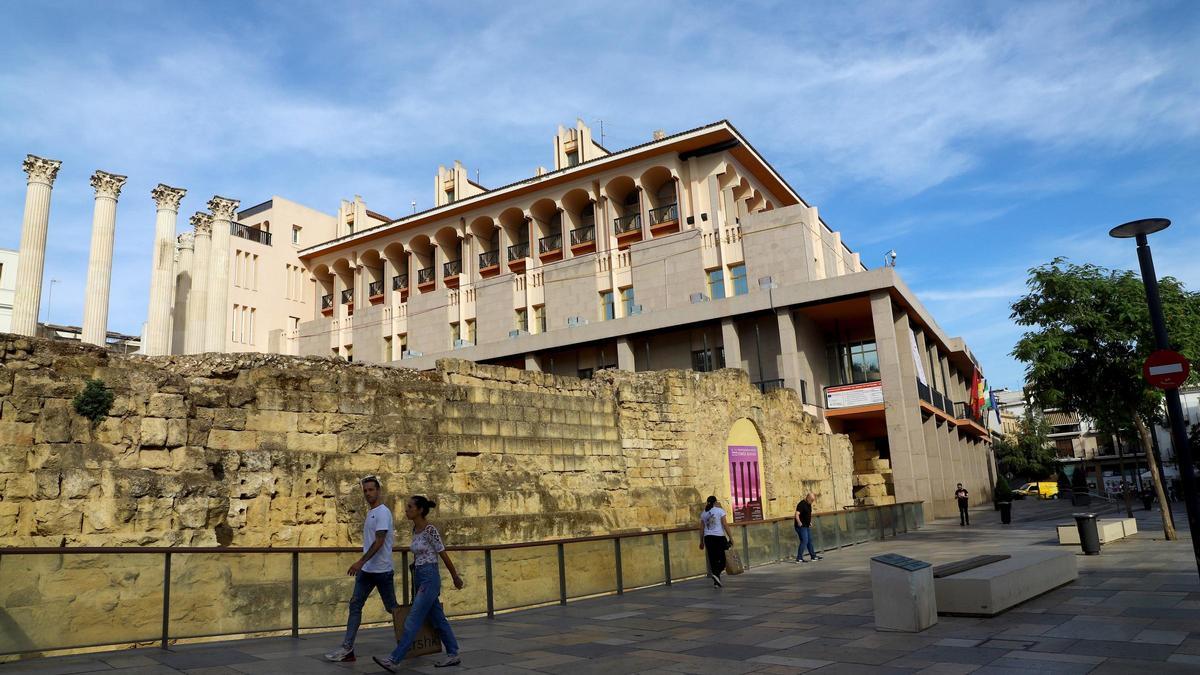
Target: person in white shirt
(714, 538)
(373, 570)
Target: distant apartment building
(8, 285)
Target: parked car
(1040, 490)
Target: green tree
(94, 401)
(1028, 453)
(1090, 333)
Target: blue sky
(977, 139)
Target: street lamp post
(1140, 229)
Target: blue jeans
(426, 605)
(364, 582)
(805, 534)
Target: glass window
(522, 320)
(716, 284)
(854, 362)
(539, 318)
(455, 334)
(387, 349)
(737, 279)
(471, 331)
(627, 302)
(607, 311)
(403, 344)
(295, 234)
(585, 373)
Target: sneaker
(386, 663)
(802, 560)
(818, 557)
(716, 581)
(340, 654)
(450, 660)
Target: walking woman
(715, 538)
(426, 546)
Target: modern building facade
(8, 286)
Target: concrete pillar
(625, 354)
(789, 358)
(99, 275)
(216, 321)
(185, 247)
(902, 412)
(31, 259)
(533, 363)
(732, 344)
(197, 304)
(157, 340)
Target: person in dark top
(963, 497)
(804, 528)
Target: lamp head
(1135, 227)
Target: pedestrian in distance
(964, 499)
(804, 513)
(715, 538)
(374, 569)
(426, 547)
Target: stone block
(991, 589)
(166, 405)
(153, 432)
(155, 459)
(226, 439)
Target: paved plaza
(1134, 609)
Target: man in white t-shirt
(373, 570)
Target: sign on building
(852, 395)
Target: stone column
(182, 285)
(162, 270)
(99, 275)
(216, 320)
(197, 304)
(789, 357)
(732, 344)
(31, 259)
(625, 360)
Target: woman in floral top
(426, 547)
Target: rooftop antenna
(601, 132)
(50, 299)
(889, 258)
(414, 205)
(477, 176)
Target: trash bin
(1089, 536)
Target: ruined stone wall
(254, 449)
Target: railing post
(882, 533)
(487, 571)
(295, 594)
(562, 576)
(745, 548)
(620, 578)
(667, 557)
(853, 530)
(404, 574)
(778, 553)
(895, 525)
(166, 611)
(837, 530)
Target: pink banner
(744, 486)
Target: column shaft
(31, 258)
(162, 275)
(99, 274)
(197, 305)
(216, 334)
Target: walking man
(804, 512)
(373, 570)
(964, 518)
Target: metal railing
(518, 251)
(250, 233)
(664, 214)
(769, 385)
(452, 268)
(425, 276)
(583, 235)
(374, 289)
(348, 296)
(549, 244)
(327, 301)
(489, 259)
(963, 411)
(399, 282)
(160, 594)
(923, 392)
(629, 223)
(937, 400)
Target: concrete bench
(1110, 530)
(990, 589)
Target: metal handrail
(518, 251)
(348, 296)
(489, 259)
(400, 282)
(629, 223)
(327, 301)
(375, 288)
(664, 214)
(550, 243)
(250, 233)
(583, 235)
(425, 275)
(452, 268)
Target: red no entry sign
(1166, 369)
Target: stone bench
(989, 589)
(1110, 529)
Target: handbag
(427, 641)
(733, 564)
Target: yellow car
(1041, 490)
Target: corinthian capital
(187, 240)
(202, 222)
(223, 208)
(107, 184)
(40, 169)
(167, 197)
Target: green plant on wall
(94, 401)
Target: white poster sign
(851, 395)
(912, 338)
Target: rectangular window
(627, 302)
(708, 360)
(854, 362)
(737, 279)
(250, 333)
(237, 257)
(294, 323)
(585, 373)
(539, 318)
(254, 273)
(522, 320)
(403, 344)
(607, 311)
(573, 158)
(470, 331)
(236, 329)
(387, 349)
(455, 334)
(716, 284)
(296, 235)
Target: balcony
(489, 262)
(375, 292)
(450, 271)
(583, 238)
(425, 278)
(628, 224)
(923, 392)
(969, 421)
(327, 304)
(400, 282)
(348, 296)
(550, 247)
(517, 253)
(664, 219)
(251, 233)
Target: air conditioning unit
(766, 282)
(572, 321)
(514, 333)
(699, 297)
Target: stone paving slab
(1132, 610)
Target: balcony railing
(452, 268)
(664, 214)
(923, 392)
(374, 289)
(962, 411)
(425, 276)
(938, 400)
(626, 224)
(550, 244)
(489, 259)
(400, 282)
(583, 235)
(518, 251)
(161, 586)
(327, 301)
(348, 296)
(251, 233)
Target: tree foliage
(1028, 453)
(94, 401)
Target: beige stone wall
(253, 449)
